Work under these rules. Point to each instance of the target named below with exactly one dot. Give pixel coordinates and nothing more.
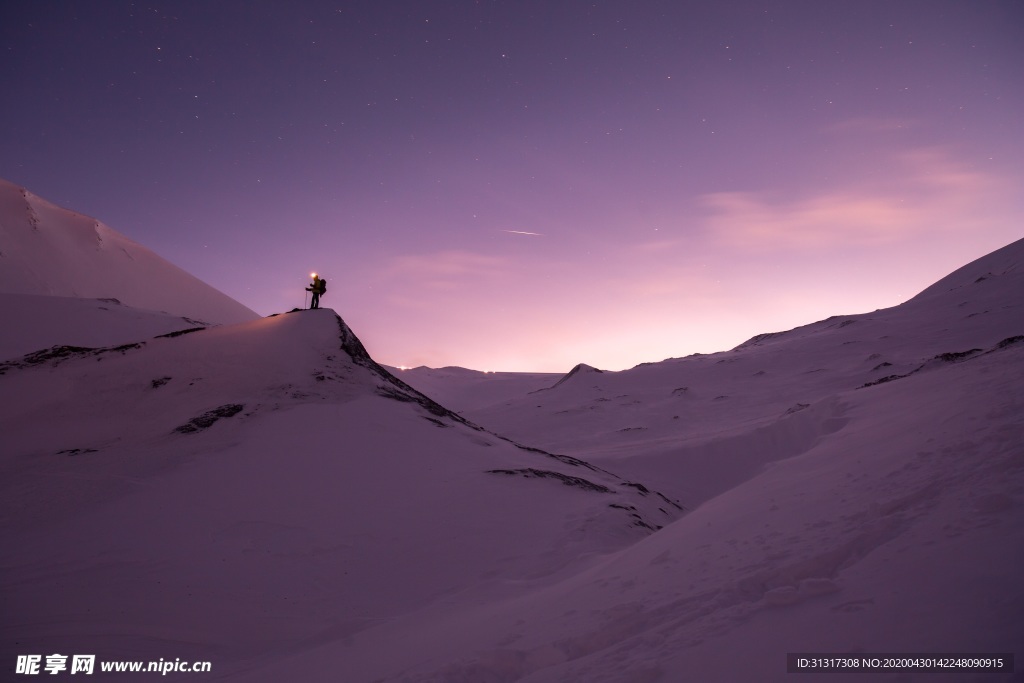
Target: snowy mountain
(248, 489)
(660, 407)
(266, 497)
(47, 250)
(856, 485)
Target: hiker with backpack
(318, 287)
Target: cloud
(934, 171)
(922, 191)
(748, 219)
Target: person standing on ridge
(318, 287)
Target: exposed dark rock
(55, 353)
(159, 382)
(77, 451)
(208, 418)
(949, 357)
(1010, 341)
(567, 480)
(669, 501)
(956, 356)
(179, 333)
(122, 349)
(887, 378)
(58, 354)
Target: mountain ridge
(49, 250)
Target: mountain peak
(580, 369)
(49, 250)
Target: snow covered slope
(245, 491)
(47, 250)
(266, 497)
(902, 531)
(856, 485)
(37, 322)
(776, 388)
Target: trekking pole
(305, 297)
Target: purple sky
(695, 172)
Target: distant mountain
(48, 250)
(579, 370)
(463, 389)
(681, 402)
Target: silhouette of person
(318, 287)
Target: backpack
(323, 286)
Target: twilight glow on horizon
(529, 185)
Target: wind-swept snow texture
(47, 250)
(244, 492)
(856, 485)
(37, 322)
